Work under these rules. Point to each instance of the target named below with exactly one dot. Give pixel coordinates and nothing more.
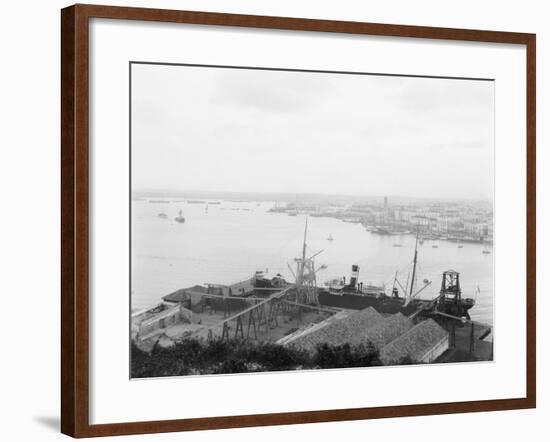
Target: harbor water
(229, 241)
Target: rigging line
(290, 237)
(420, 270)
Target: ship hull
(353, 301)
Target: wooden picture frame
(75, 379)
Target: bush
(194, 356)
(343, 356)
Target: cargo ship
(358, 296)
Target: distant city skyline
(222, 194)
(200, 129)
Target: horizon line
(328, 195)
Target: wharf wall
(165, 318)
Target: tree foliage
(341, 356)
(195, 356)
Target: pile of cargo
(396, 337)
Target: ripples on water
(228, 244)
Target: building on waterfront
(424, 343)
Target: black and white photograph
(301, 220)
(275, 221)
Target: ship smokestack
(354, 275)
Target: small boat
(460, 246)
(162, 215)
(396, 245)
(330, 238)
(380, 231)
(180, 218)
(435, 246)
(486, 251)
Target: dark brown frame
(74, 219)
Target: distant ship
(486, 251)
(380, 230)
(330, 238)
(162, 215)
(180, 218)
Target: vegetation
(342, 356)
(194, 356)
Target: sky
(243, 130)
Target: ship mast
(414, 265)
(306, 282)
(304, 246)
(301, 262)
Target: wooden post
(251, 320)
(226, 309)
(273, 310)
(267, 318)
(230, 293)
(472, 339)
(261, 314)
(239, 328)
(225, 332)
